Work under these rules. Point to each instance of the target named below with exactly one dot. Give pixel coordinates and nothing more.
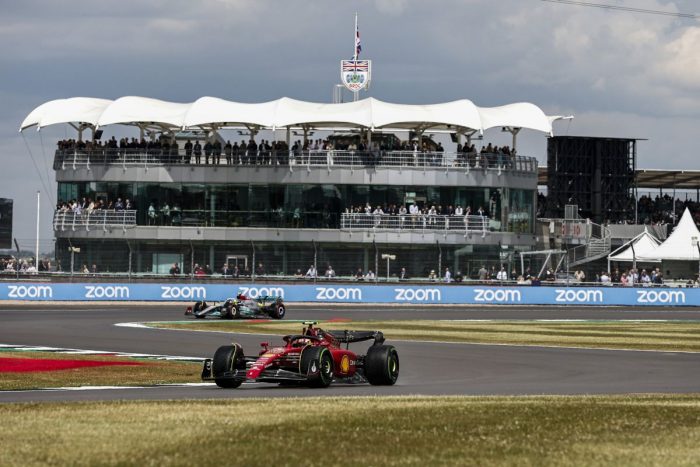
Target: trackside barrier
(320, 293)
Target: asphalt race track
(426, 368)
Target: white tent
(643, 244)
(681, 245)
(210, 112)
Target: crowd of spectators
(421, 215)
(664, 210)
(10, 264)
(265, 152)
(87, 205)
(659, 210)
(630, 277)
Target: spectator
(311, 272)
(448, 275)
(330, 273)
(432, 276)
(370, 275)
(483, 273)
(502, 275)
(151, 214)
(165, 210)
(225, 270)
(359, 275)
(403, 275)
(175, 270)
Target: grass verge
(662, 335)
(150, 372)
(624, 430)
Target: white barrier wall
(319, 292)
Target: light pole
(388, 258)
(695, 243)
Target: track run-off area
(427, 368)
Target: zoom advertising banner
(343, 293)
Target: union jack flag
(358, 45)
(359, 65)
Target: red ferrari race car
(314, 358)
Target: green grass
(667, 336)
(518, 431)
(151, 372)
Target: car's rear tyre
(198, 306)
(317, 365)
(226, 359)
(382, 365)
(278, 311)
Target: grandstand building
(276, 200)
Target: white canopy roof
(214, 112)
(644, 243)
(679, 245)
(80, 110)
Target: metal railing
(597, 246)
(414, 222)
(80, 158)
(98, 218)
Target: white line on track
(31, 348)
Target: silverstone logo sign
(356, 74)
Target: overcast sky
(621, 74)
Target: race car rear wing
(348, 337)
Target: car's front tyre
(317, 365)
(198, 306)
(227, 359)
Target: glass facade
(274, 259)
(298, 205)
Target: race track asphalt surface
(426, 368)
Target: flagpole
(354, 39)
(355, 94)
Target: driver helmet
(240, 296)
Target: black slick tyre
(278, 311)
(227, 359)
(317, 364)
(382, 365)
(198, 306)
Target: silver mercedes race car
(266, 306)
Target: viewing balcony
(127, 158)
(415, 222)
(97, 219)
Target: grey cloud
(621, 74)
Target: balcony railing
(415, 222)
(96, 219)
(74, 159)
